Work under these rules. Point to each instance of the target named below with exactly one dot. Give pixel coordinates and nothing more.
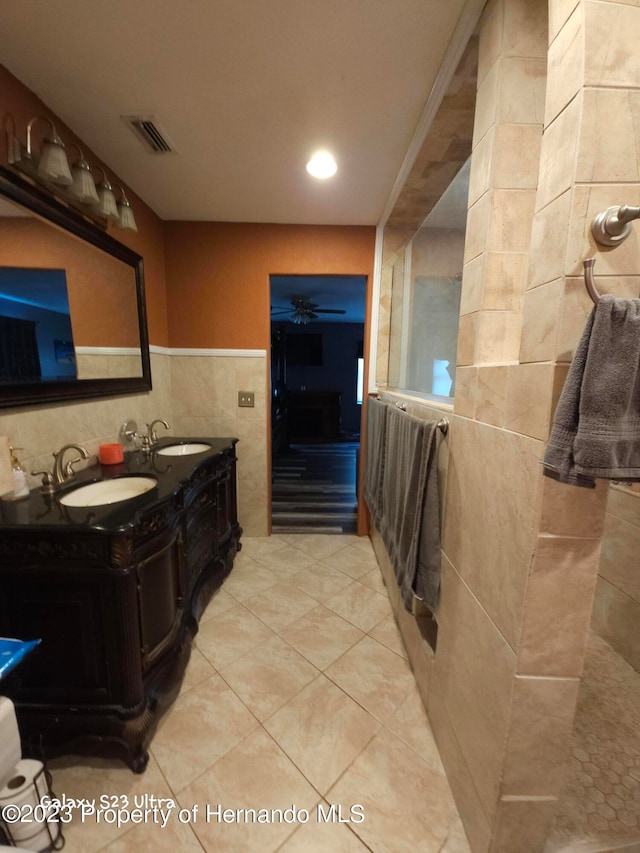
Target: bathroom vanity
(115, 592)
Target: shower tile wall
(515, 543)
(616, 613)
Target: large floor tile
(375, 580)
(91, 778)
(322, 730)
(255, 775)
(362, 542)
(280, 605)
(231, 634)
(360, 605)
(199, 728)
(410, 723)
(248, 579)
(407, 804)
(319, 545)
(198, 670)
(387, 633)
(220, 602)
(320, 581)
(154, 838)
(353, 561)
(377, 678)
(321, 636)
(261, 546)
(285, 562)
(268, 676)
(316, 836)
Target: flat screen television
(304, 350)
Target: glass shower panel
(425, 297)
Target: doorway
(317, 369)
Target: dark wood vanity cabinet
(116, 609)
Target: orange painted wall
(218, 274)
(101, 289)
(17, 106)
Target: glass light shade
(53, 165)
(300, 318)
(126, 219)
(83, 187)
(106, 206)
(322, 165)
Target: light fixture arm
(54, 134)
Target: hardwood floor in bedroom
(314, 489)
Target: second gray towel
(596, 426)
(410, 524)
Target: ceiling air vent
(151, 134)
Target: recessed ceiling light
(322, 165)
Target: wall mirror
(73, 319)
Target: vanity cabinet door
(161, 595)
(69, 613)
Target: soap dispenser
(20, 487)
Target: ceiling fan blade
(311, 315)
(276, 311)
(330, 310)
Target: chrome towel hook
(613, 225)
(588, 279)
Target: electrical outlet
(246, 399)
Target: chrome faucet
(63, 473)
(151, 432)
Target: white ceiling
(245, 89)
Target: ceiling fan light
(300, 317)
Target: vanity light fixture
(52, 162)
(83, 187)
(126, 219)
(322, 165)
(106, 206)
(49, 168)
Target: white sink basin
(185, 449)
(108, 491)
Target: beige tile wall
(616, 613)
(41, 430)
(205, 402)
(555, 142)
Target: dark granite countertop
(42, 511)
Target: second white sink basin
(185, 449)
(108, 491)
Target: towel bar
(442, 425)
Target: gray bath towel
(596, 426)
(375, 457)
(410, 523)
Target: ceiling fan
(304, 310)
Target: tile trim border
(209, 353)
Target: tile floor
(298, 694)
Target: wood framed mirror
(73, 321)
